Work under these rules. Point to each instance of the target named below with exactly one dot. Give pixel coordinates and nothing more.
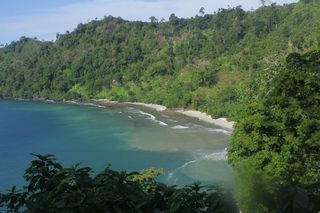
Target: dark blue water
(125, 137)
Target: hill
(204, 62)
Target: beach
(222, 122)
(156, 107)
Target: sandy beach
(223, 122)
(156, 107)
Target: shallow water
(128, 138)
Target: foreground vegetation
(52, 188)
(202, 63)
(276, 141)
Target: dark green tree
(201, 11)
(53, 188)
(153, 20)
(278, 134)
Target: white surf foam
(151, 117)
(199, 156)
(219, 131)
(179, 127)
(162, 123)
(217, 156)
(172, 175)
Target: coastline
(222, 122)
(156, 107)
(102, 103)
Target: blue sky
(44, 18)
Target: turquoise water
(126, 137)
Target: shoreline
(222, 122)
(156, 107)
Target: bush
(52, 188)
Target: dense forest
(276, 141)
(204, 62)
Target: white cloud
(46, 24)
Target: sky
(44, 18)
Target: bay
(128, 138)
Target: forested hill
(203, 63)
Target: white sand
(156, 107)
(207, 118)
(223, 122)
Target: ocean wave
(179, 127)
(216, 156)
(161, 123)
(172, 175)
(199, 156)
(219, 131)
(151, 117)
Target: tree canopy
(278, 134)
(53, 188)
(203, 62)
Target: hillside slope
(202, 63)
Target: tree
(153, 20)
(53, 188)
(278, 134)
(173, 19)
(263, 2)
(201, 11)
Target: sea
(122, 136)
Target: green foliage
(147, 177)
(169, 63)
(53, 188)
(278, 134)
